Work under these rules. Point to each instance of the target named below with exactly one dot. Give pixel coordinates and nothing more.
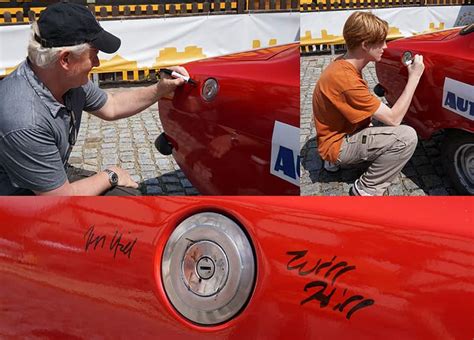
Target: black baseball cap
(68, 24)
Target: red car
(236, 131)
(444, 99)
(236, 268)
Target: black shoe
(351, 192)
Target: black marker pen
(175, 74)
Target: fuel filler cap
(208, 268)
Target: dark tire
(458, 160)
(163, 145)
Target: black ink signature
(114, 245)
(321, 295)
(94, 240)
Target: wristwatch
(113, 177)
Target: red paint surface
(445, 54)
(413, 256)
(224, 146)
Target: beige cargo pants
(387, 148)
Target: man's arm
(91, 186)
(394, 116)
(128, 103)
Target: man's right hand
(167, 83)
(416, 68)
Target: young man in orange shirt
(343, 108)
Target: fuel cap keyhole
(205, 268)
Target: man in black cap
(42, 104)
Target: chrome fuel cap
(208, 268)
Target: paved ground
(423, 175)
(129, 143)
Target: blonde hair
(46, 56)
(364, 26)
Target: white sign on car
(285, 158)
(458, 97)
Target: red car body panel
(446, 54)
(224, 145)
(407, 261)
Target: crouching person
(343, 108)
(43, 99)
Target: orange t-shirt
(342, 104)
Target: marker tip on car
(175, 74)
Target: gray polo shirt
(34, 131)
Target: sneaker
(355, 190)
(331, 167)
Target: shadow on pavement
(168, 184)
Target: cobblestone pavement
(129, 143)
(423, 175)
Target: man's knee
(408, 136)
